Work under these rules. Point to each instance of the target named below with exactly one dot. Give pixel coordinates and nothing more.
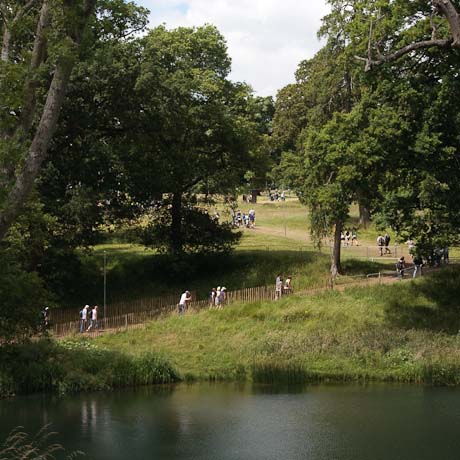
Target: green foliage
(200, 232)
(22, 298)
(75, 366)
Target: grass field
(403, 332)
(280, 243)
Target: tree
(385, 31)
(414, 96)
(195, 128)
(29, 120)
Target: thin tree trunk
(5, 54)
(176, 224)
(38, 55)
(336, 249)
(364, 216)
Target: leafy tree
(29, 115)
(195, 125)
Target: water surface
(223, 422)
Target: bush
(72, 367)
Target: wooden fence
(68, 315)
(137, 318)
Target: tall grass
(19, 445)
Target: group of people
(242, 219)
(217, 297)
(435, 258)
(89, 318)
(349, 237)
(383, 242)
(282, 287)
(276, 196)
(401, 266)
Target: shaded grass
(359, 334)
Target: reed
(19, 445)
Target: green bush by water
(76, 366)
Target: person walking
(354, 237)
(287, 288)
(184, 301)
(84, 318)
(94, 324)
(387, 243)
(400, 267)
(380, 244)
(278, 287)
(418, 264)
(212, 297)
(46, 317)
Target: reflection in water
(223, 422)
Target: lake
(223, 422)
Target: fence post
(126, 322)
(380, 279)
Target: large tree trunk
(336, 249)
(36, 153)
(176, 224)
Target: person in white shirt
(84, 317)
(94, 323)
(185, 298)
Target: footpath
(139, 319)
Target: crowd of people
(434, 258)
(276, 196)
(242, 219)
(217, 297)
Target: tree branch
(445, 8)
(370, 63)
(5, 53)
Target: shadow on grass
(431, 303)
(133, 276)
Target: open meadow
(279, 243)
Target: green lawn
(280, 243)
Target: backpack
(81, 314)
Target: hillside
(404, 332)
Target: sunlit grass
(400, 332)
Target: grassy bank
(404, 332)
(72, 367)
